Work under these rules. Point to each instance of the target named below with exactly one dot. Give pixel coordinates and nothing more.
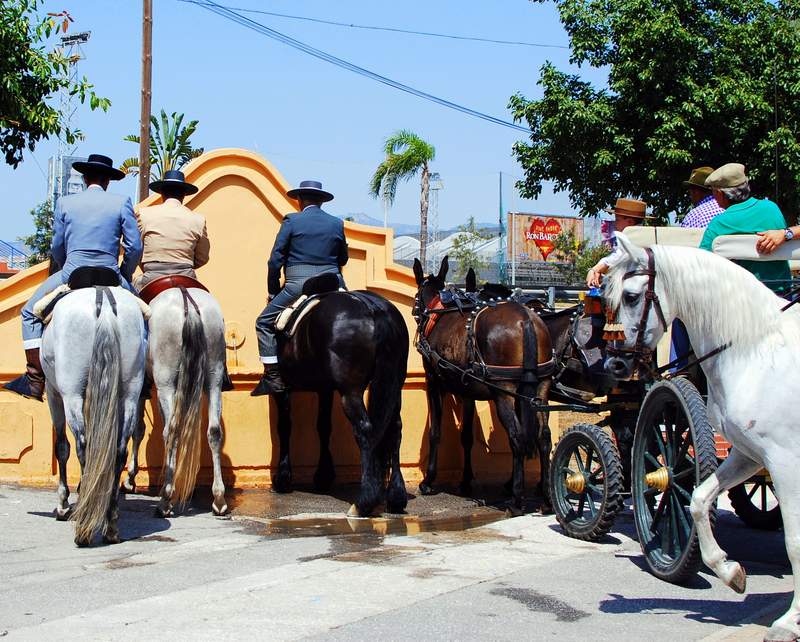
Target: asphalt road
(289, 567)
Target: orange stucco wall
(243, 199)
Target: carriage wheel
(673, 451)
(755, 503)
(586, 482)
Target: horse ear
(472, 281)
(634, 251)
(419, 274)
(443, 269)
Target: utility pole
(147, 81)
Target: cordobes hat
(99, 164)
(173, 178)
(629, 207)
(310, 188)
(698, 178)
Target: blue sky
(311, 119)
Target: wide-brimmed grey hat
(99, 164)
(174, 178)
(312, 188)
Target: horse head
(635, 294)
(429, 286)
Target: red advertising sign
(531, 237)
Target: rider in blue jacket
(88, 228)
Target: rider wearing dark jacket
(309, 243)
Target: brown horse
(484, 352)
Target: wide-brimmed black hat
(99, 164)
(173, 178)
(310, 188)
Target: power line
(392, 29)
(249, 23)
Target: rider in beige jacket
(174, 237)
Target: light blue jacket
(88, 228)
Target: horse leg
(282, 483)
(545, 444)
(467, 421)
(130, 420)
(325, 474)
(787, 626)
(396, 496)
(435, 398)
(73, 409)
(218, 506)
(166, 399)
(129, 485)
(736, 468)
(371, 480)
(508, 417)
(56, 404)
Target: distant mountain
(405, 229)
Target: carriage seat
(157, 286)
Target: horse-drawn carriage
(654, 441)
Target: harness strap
(101, 291)
(187, 298)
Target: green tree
(690, 83)
(576, 257)
(170, 145)
(406, 155)
(39, 242)
(31, 75)
(465, 248)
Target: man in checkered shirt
(704, 207)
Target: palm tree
(406, 155)
(170, 147)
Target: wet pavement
(294, 566)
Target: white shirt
(616, 257)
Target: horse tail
(528, 385)
(101, 409)
(184, 432)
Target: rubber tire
(690, 403)
(750, 514)
(589, 530)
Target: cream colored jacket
(172, 233)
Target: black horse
(503, 345)
(348, 342)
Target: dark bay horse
(348, 342)
(512, 341)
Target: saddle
(162, 283)
(314, 290)
(86, 276)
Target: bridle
(640, 352)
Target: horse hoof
(426, 489)
(82, 543)
(546, 509)
(282, 483)
(128, 486)
(164, 513)
(738, 581)
(111, 538)
(220, 510)
(514, 511)
(62, 514)
(780, 634)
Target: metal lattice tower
(434, 237)
(73, 52)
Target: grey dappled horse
(185, 359)
(93, 359)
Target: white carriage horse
(93, 360)
(752, 384)
(185, 361)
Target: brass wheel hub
(658, 479)
(576, 483)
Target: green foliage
(406, 154)
(576, 257)
(31, 75)
(40, 241)
(465, 245)
(170, 145)
(690, 83)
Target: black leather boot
(31, 384)
(270, 382)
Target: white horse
(93, 360)
(753, 384)
(184, 361)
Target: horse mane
(736, 307)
